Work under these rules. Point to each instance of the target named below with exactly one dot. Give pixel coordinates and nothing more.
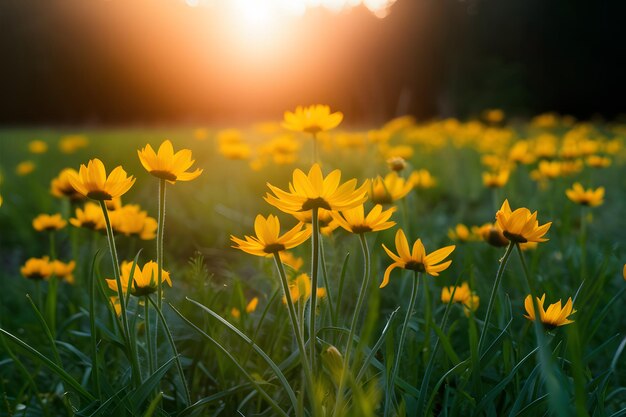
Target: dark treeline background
(161, 61)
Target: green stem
(494, 292)
(315, 242)
(427, 318)
(583, 243)
(51, 297)
(329, 296)
(148, 336)
(120, 293)
(160, 235)
(296, 329)
(390, 395)
(355, 317)
(92, 325)
(173, 345)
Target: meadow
(398, 285)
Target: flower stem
(148, 336)
(160, 234)
(120, 293)
(583, 243)
(315, 242)
(329, 295)
(494, 292)
(296, 329)
(357, 312)
(390, 396)
(53, 283)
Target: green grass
(251, 365)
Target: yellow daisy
(92, 181)
(307, 192)
(416, 259)
(166, 164)
(520, 225)
(267, 239)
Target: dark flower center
(415, 266)
(318, 202)
(274, 247)
(514, 237)
(166, 175)
(99, 195)
(362, 228)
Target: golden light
(264, 11)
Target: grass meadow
(307, 330)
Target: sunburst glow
(263, 11)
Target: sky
(103, 62)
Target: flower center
(274, 247)
(166, 175)
(415, 266)
(361, 228)
(318, 202)
(99, 195)
(514, 237)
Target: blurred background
(147, 62)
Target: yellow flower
(166, 164)
(547, 170)
(37, 146)
(144, 280)
(300, 289)
(312, 119)
(132, 221)
(492, 234)
(92, 181)
(597, 161)
(589, 197)
(417, 259)
(496, 179)
(235, 151)
(422, 179)
(89, 217)
(493, 115)
(37, 268)
(402, 151)
(63, 270)
(252, 305)
(462, 295)
(354, 220)
(250, 308)
(25, 168)
(288, 258)
(520, 153)
(200, 134)
(267, 240)
(61, 186)
(624, 272)
(315, 191)
(396, 163)
(71, 143)
(554, 316)
(460, 233)
(46, 222)
(392, 188)
(115, 302)
(520, 225)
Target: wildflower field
(300, 267)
